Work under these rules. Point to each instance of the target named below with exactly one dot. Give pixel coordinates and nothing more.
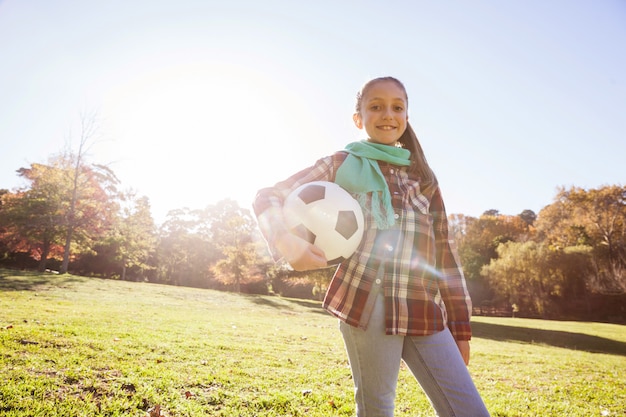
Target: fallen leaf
(155, 411)
(188, 394)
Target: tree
(185, 250)
(232, 230)
(478, 240)
(602, 215)
(40, 217)
(3, 191)
(132, 238)
(524, 274)
(4, 249)
(90, 209)
(136, 233)
(30, 219)
(528, 217)
(594, 218)
(236, 265)
(482, 236)
(80, 184)
(458, 225)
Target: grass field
(72, 346)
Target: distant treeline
(568, 261)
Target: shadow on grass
(30, 281)
(568, 340)
(287, 303)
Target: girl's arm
(268, 208)
(464, 348)
(452, 283)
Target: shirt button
(396, 216)
(378, 281)
(391, 171)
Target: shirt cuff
(461, 330)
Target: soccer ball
(327, 216)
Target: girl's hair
(419, 166)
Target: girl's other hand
(464, 348)
(301, 255)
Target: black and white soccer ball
(327, 216)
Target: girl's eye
(399, 108)
(375, 107)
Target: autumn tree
(80, 185)
(593, 219)
(529, 217)
(602, 214)
(4, 249)
(38, 217)
(30, 219)
(478, 239)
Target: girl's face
(383, 112)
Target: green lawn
(72, 346)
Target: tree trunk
(45, 251)
(66, 251)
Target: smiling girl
(402, 295)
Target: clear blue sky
(205, 100)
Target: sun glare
(205, 132)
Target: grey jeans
(434, 360)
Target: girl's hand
(301, 255)
(464, 348)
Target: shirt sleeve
(268, 203)
(452, 285)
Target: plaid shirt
(423, 284)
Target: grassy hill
(74, 346)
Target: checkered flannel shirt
(424, 287)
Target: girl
(402, 294)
